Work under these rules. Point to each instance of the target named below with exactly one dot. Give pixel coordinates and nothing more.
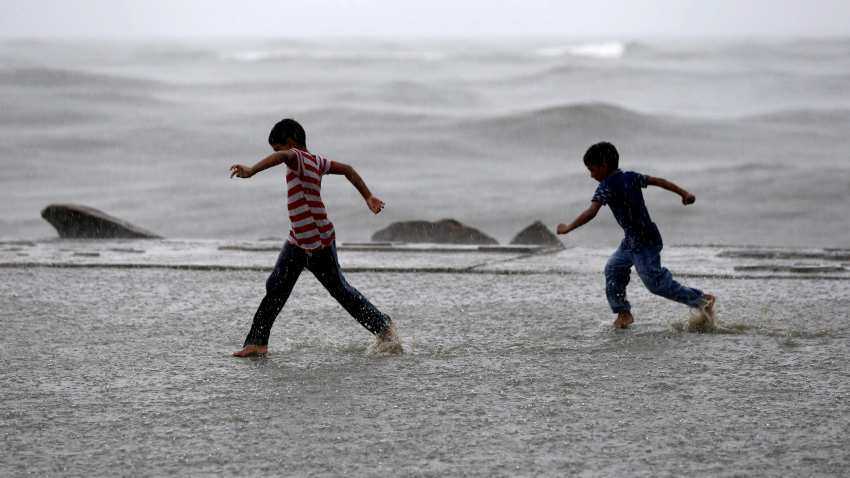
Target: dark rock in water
(82, 222)
(537, 234)
(445, 231)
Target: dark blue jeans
(325, 266)
(659, 280)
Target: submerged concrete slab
(211, 254)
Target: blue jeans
(659, 281)
(325, 266)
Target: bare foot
(252, 351)
(387, 342)
(624, 320)
(708, 307)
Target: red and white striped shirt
(311, 229)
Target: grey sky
(385, 18)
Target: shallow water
(122, 371)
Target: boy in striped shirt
(311, 241)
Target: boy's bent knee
(616, 275)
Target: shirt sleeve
(299, 161)
(324, 164)
(642, 180)
(602, 194)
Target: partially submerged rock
(83, 222)
(537, 234)
(445, 231)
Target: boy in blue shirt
(641, 247)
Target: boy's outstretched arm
(375, 204)
(687, 198)
(270, 161)
(582, 218)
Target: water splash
(699, 323)
(606, 50)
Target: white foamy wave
(253, 56)
(606, 50)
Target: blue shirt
(621, 191)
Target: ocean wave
(581, 119)
(58, 77)
(566, 124)
(406, 94)
(328, 54)
(804, 116)
(582, 115)
(173, 53)
(604, 50)
(532, 120)
(705, 74)
(753, 51)
(591, 109)
(23, 116)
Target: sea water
(488, 132)
(115, 354)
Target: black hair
(602, 153)
(287, 129)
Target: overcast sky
(388, 18)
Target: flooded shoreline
(128, 371)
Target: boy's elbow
(660, 182)
(350, 172)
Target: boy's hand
(241, 171)
(562, 229)
(688, 198)
(375, 204)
